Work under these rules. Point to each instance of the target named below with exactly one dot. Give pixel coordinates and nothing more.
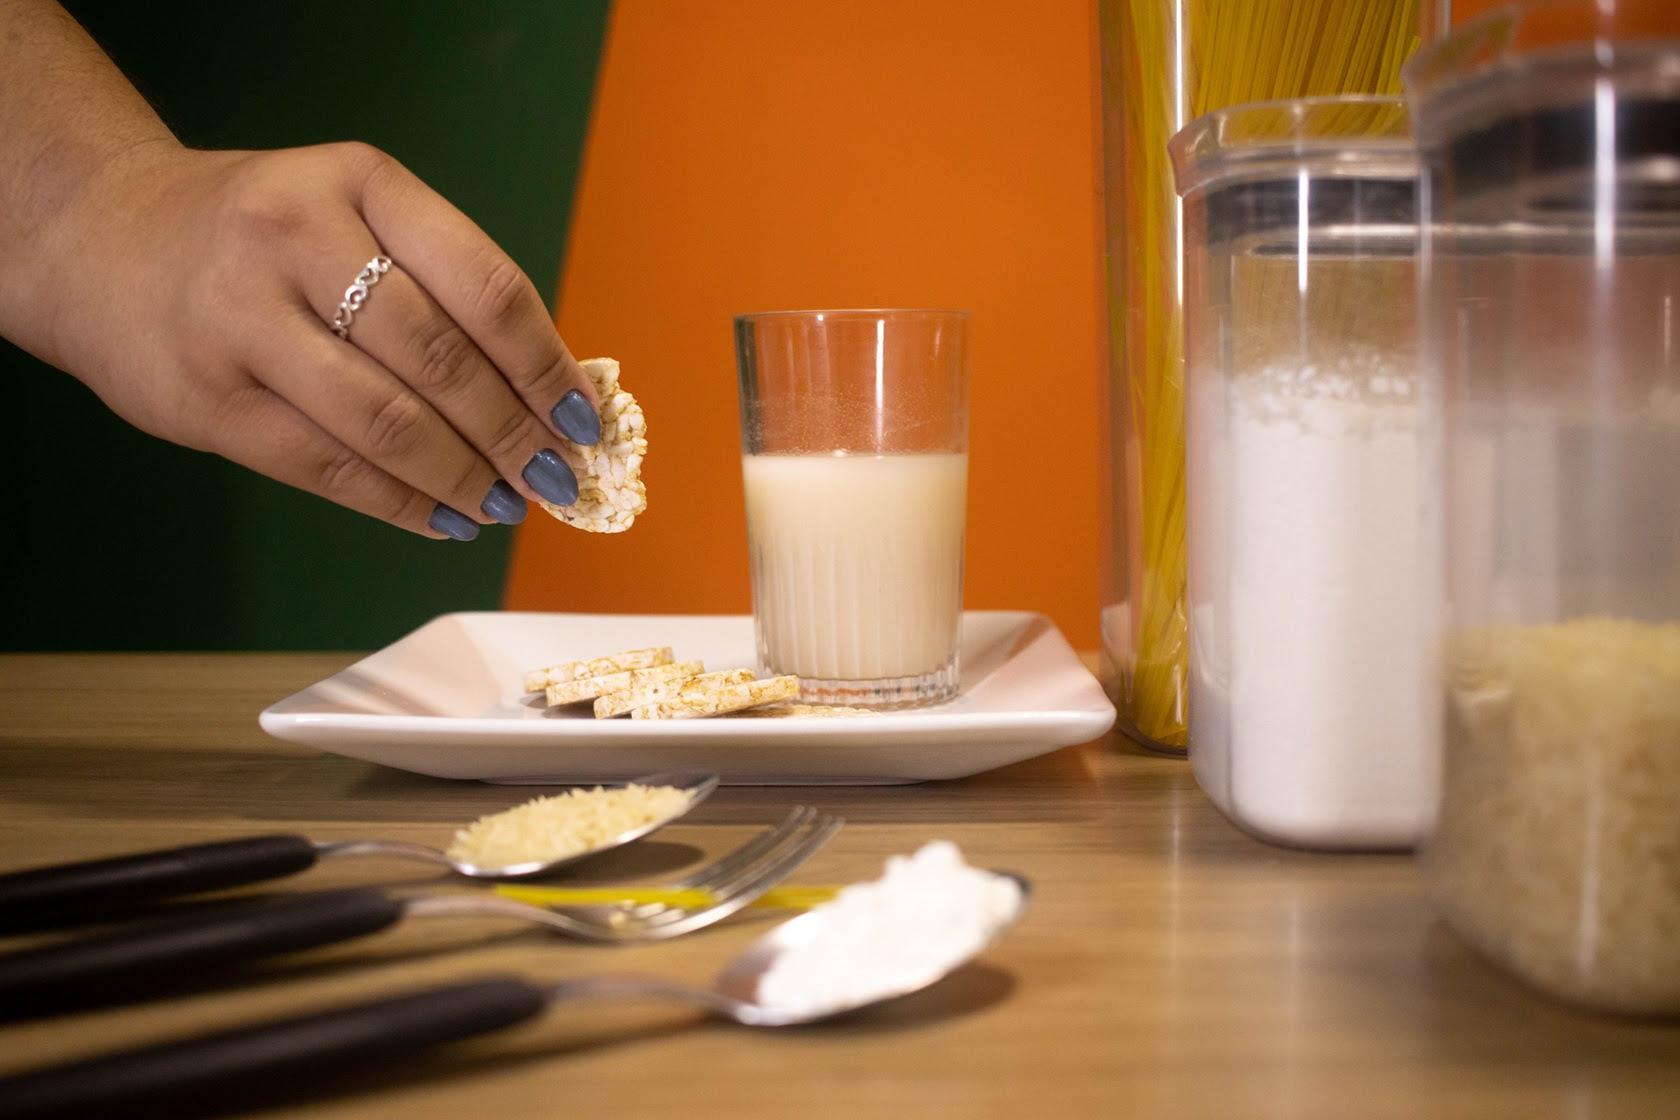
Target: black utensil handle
(46, 894)
(163, 954)
(248, 1065)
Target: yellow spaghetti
(1166, 62)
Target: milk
(857, 563)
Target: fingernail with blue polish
(453, 523)
(576, 420)
(549, 476)
(504, 503)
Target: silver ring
(356, 295)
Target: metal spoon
(698, 783)
(73, 893)
(235, 1069)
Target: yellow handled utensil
(776, 898)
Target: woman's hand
(193, 291)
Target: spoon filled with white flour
(927, 915)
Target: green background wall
(127, 542)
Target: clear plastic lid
(1338, 171)
(1356, 135)
(1526, 58)
(1556, 114)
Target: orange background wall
(750, 155)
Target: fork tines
(733, 881)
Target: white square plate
(446, 701)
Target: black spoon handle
(159, 956)
(240, 1068)
(51, 896)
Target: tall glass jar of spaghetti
(1164, 63)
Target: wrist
(79, 235)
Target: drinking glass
(854, 456)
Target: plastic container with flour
(1311, 589)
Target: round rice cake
(609, 474)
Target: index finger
(485, 292)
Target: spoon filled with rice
(550, 832)
(533, 838)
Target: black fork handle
(47, 897)
(143, 960)
(241, 1068)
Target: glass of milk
(854, 455)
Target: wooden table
(1169, 966)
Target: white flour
(1312, 715)
(930, 911)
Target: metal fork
(135, 962)
(733, 883)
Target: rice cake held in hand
(538, 679)
(587, 688)
(719, 701)
(609, 474)
(610, 704)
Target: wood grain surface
(1169, 965)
